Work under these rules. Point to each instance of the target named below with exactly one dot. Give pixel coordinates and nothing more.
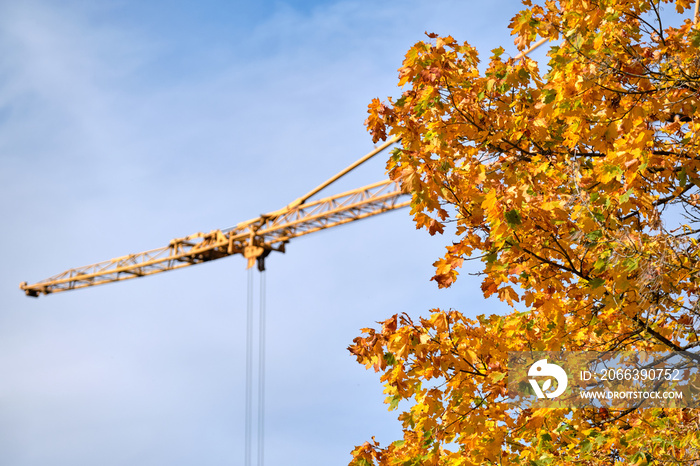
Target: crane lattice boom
(254, 239)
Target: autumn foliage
(576, 186)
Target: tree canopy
(577, 188)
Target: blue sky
(125, 124)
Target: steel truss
(254, 239)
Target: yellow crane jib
(255, 239)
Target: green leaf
(695, 38)
(630, 264)
(626, 197)
(523, 74)
(542, 461)
(394, 402)
(594, 235)
(639, 459)
(586, 446)
(513, 218)
(596, 282)
(562, 428)
(549, 96)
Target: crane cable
(261, 373)
(249, 371)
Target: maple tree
(577, 188)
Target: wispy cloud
(120, 130)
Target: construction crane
(254, 239)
